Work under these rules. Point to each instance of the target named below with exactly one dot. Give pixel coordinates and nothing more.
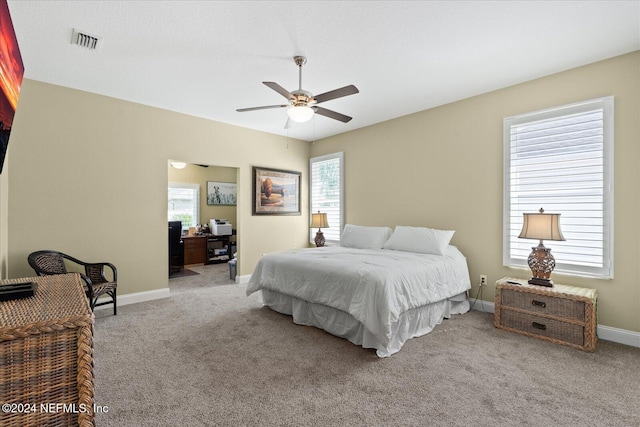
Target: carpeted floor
(182, 273)
(210, 356)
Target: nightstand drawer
(542, 327)
(543, 304)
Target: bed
(373, 292)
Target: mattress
(374, 298)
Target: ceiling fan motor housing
(302, 98)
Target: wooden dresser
(561, 314)
(195, 249)
(46, 355)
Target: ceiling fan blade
(282, 91)
(332, 114)
(266, 107)
(337, 93)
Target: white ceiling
(208, 58)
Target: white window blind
(326, 193)
(184, 204)
(561, 160)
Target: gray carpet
(182, 273)
(210, 356)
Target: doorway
(204, 199)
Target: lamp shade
(300, 113)
(541, 226)
(319, 220)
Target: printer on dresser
(220, 227)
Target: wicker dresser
(561, 314)
(46, 362)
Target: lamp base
(319, 239)
(542, 264)
(540, 282)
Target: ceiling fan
(302, 104)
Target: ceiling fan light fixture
(300, 113)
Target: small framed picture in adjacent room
(222, 193)
(276, 192)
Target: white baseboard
(154, 294)
(621, 336)
(136, 297)
(481, 305)
(607, 333)
(243, 280)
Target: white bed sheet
(374, 298)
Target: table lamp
(541, 226)
(319, 220)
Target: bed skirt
(413, 323)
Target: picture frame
(222, 193)
(12, 74)
(276, 191)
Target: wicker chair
(95, 283)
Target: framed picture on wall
(276, 192)
(222, 193)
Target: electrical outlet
(483, 280)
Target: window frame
(196, 189)
(607, 106)
(312, 232)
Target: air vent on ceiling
(83, 39)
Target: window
(326, 193)
(561, 159)
(184, 204)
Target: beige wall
(442, 168)
(196, 174)
(88, 176)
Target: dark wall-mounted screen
(11, 71)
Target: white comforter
(374, 286)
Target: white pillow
(419, 239)
(361, 237)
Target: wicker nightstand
(561, 314)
